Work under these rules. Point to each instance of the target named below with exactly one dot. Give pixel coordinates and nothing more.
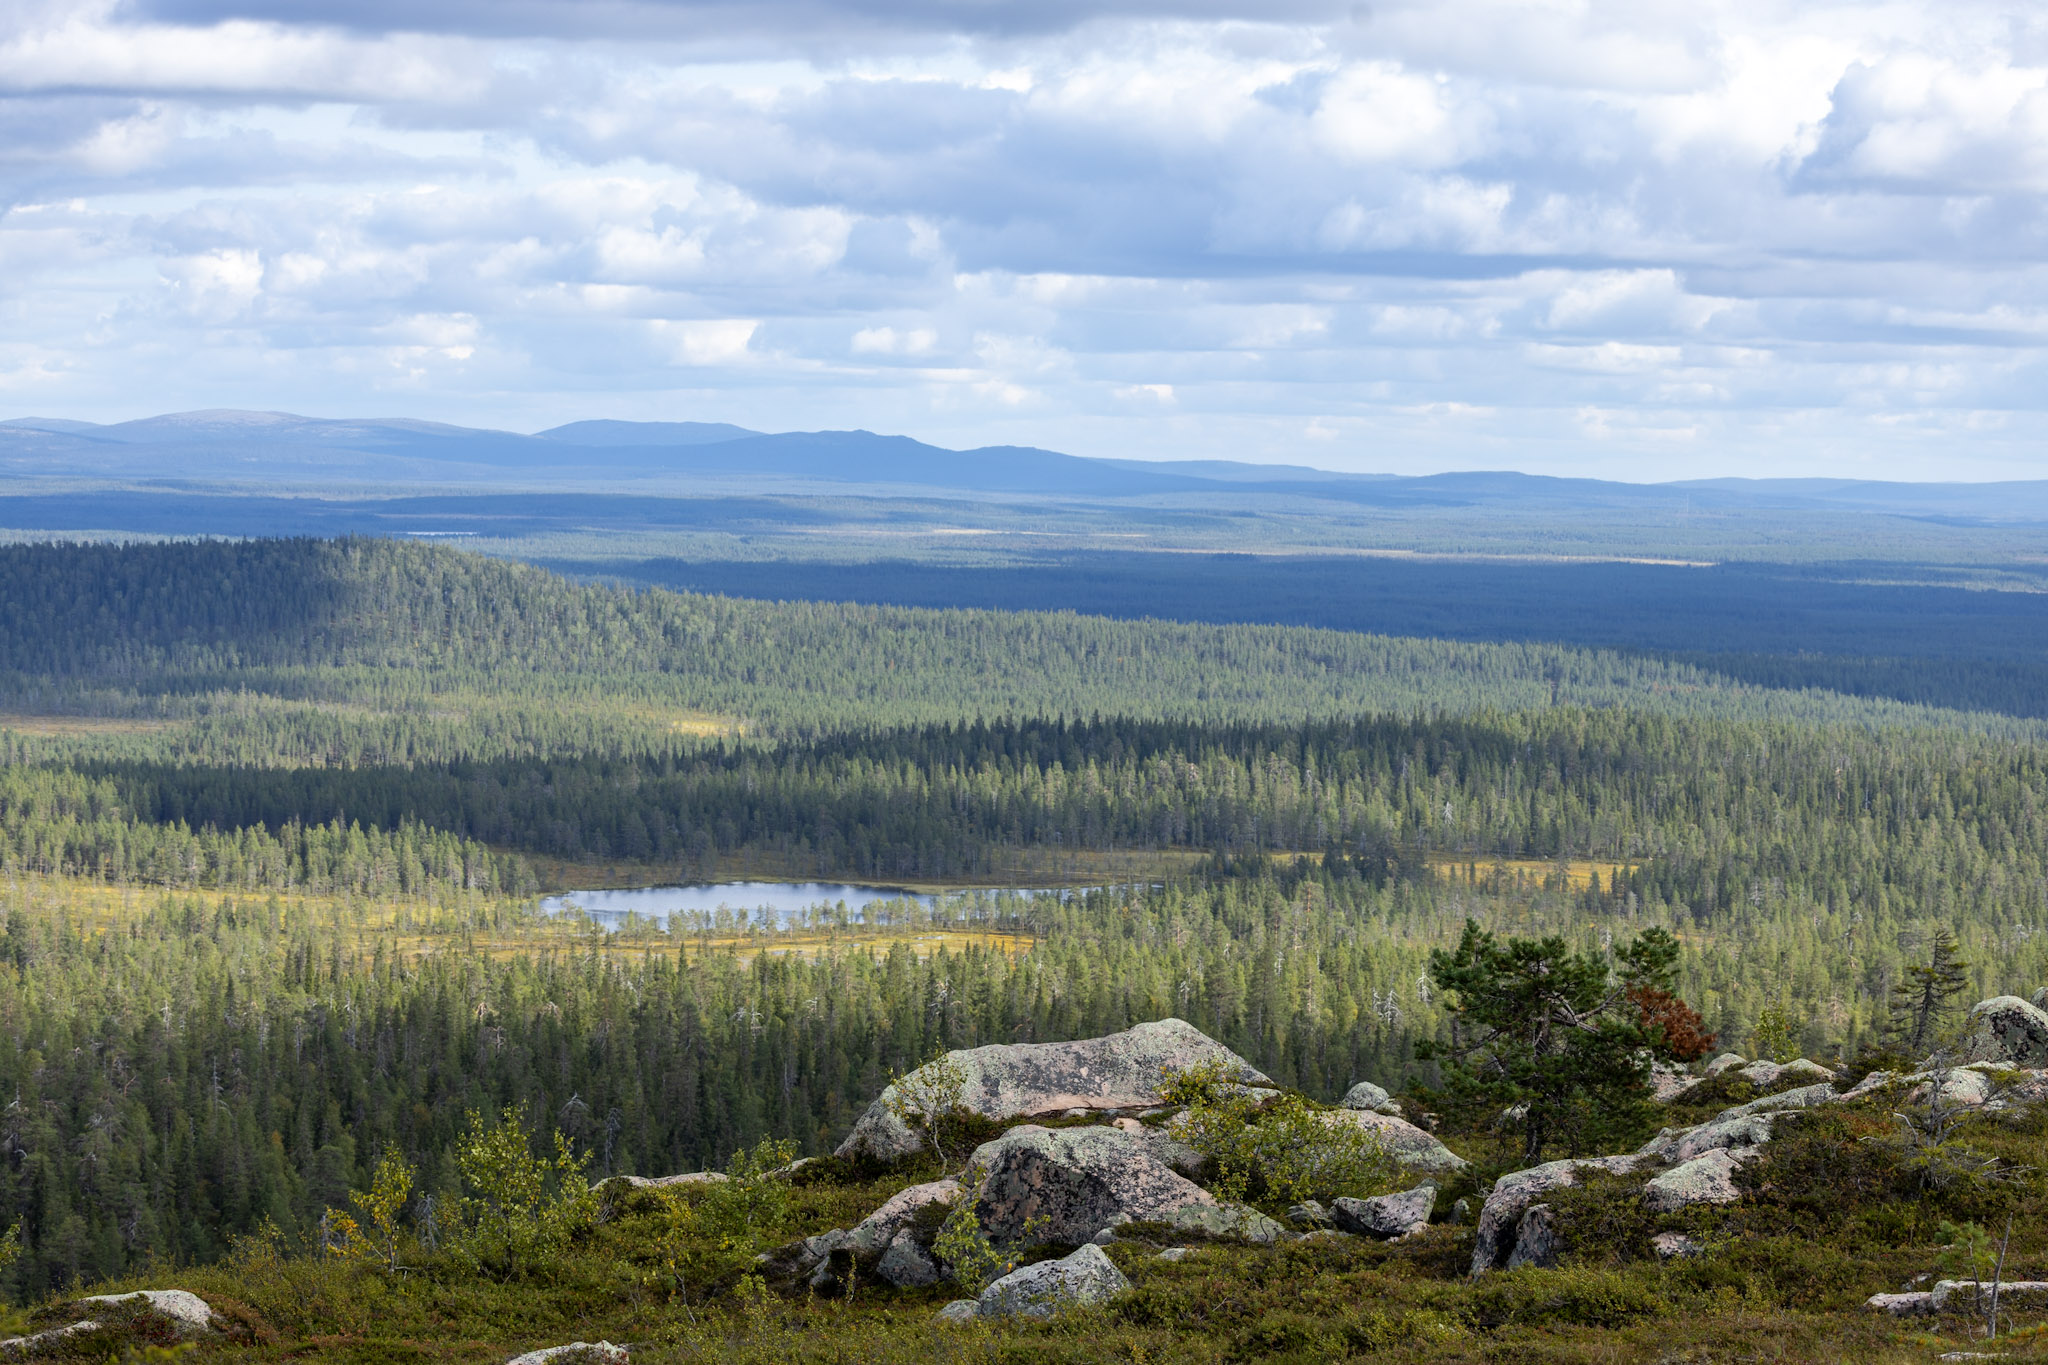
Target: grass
(1784, 1280)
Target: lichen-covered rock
(957, 1312)
(662, 1182)
(1961, 1087)
(1805, 1097)
(906, 1264)
(1675, 1246)
(1501, 1215)
(1708, 1178)
(874, 1232)
(2006, 1028)
(1060, 1185)
(1309, 1213)
(575, 1353)
(1765, 1074)
(1950, 1294)
(1725, 1062)
(1680, 1145)
(187, 1313)
(52, 1342)
(1410, 1146)
(1019, 1080)
(1047, 1288)
(1901, 1305)
(1165, 1146)
(1366, 1095)
(1386, 1215)
(1668, 1082)
(1536, 1241)
(1238, 1221)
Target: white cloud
(1484, 231)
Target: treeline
(1718, 817)
(370, 651)
(203, 1066)
(54, 821)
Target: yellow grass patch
(1477, 869)
(59, 726)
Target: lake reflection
(760, 904)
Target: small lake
(718, 906)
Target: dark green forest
(270, 814)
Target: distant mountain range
(397, 455)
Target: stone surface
(1500, 1218)
(1407, 1144)
(662, 1182)
(1708, 1178)
(1366, 1095)
(1309, 1213)
(1680, 1145)
(1238, 1221)
(1668, 1082)
(1901, 1305)
(906, 1264)
(185, 1310)
(1385, 1215)
(1675, 1246)
(1173, 1254)
(1958, 1088)
(1164, 1145)
(1766, 1074)
(1965, 1292)
(2006, 1028)
(1018, 1080)
(1060, 1185)
(575, 1353)
(1536, 1241)
(876, 1231)
(958, 1311)
(1805, 1097)
(1042, 1290)
(1726, 1061)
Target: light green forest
(273, 816)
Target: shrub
(1283, 1150)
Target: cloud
(1686, 239)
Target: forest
(273, 816)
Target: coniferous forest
(275, 815)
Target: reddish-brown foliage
(1685, 1035)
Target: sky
(1633, 240)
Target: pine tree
(1928, 995)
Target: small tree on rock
(1558, 1040)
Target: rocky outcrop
(1164, 1145)
(575, 1353)
(1036, 1184)
(1366, 1095)
(879, 1228)
(1043, 1290)
(187, 1313)
(1952, 1294)
(1680, 1145)
(1727, 1061)
(1501, 1216)
(1764, 1075)
(662, 1182)
(1805, 1097)
(1385, 1216)
(1708, 1178)
(1668, 1082)
(1414, 1149)
(2007, 1029)
(907, 1264)
(1536, 1240)
(1022, 1080)
(1238, 1222)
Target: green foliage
(970, 1259)
(753, 1199)
(927, 1101)
(518, 1203)
(1535, 1031)
(382, 1205)
(1777, 1033)
(1928, 995)
(1280, 1149)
